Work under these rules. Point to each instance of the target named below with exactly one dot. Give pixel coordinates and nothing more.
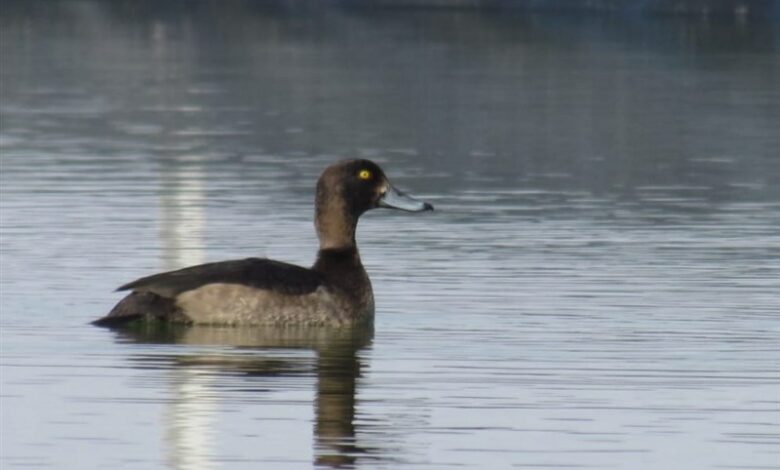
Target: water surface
(597, 288)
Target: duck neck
(336, 227)
(343, 267)
(337, 258)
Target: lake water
(598, 287)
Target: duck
(335, 291)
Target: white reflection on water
(190, 421)
(182, 217)
(191, 412)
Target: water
(597, 288)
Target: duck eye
(364, 175)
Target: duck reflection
(193, 411)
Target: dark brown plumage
(253, 291)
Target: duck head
(348, 189)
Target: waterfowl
(335, 291)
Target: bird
(335, 291)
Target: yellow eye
(364, 175)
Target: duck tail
(140, 306)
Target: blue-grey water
(598, 287)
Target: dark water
(598, 287)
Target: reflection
(189, 419)
(192, 414)
(335, 408)
(182, 218)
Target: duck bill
(395, 199)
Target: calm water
(598, 287)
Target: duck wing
(154, 297)
(260, 273)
